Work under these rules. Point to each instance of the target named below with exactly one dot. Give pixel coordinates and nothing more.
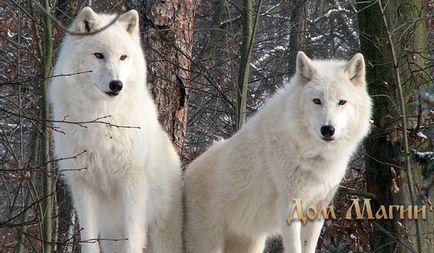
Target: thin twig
(357, 192)
(59, 24)
(379, 227)
(20, 82)
(79, 123)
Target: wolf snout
(327, 132)
(115, 87)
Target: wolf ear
(130, 20)
(304, 66)
(355, 69)
(85, 21)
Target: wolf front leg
(165, 232)
(85, 204)
(134, 198)
(310, 233)
(291, 237)
(291, 232)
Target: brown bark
(167, 28)
(297, 38)
(388, 169)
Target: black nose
(327, 131)
(115, 86)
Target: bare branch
(59, 24)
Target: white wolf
(297, 147)
(126, 186)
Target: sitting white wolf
(297, 147)
(126, 186)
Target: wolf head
(333, 98)
(111, 57)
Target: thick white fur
(241, 189)
(127, 183)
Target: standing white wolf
(297, 147)
(125, 181)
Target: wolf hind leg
(245, 244)
(200, 236)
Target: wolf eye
(99, 55)
(123, 57)
(317, 101)
(342, 102)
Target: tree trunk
(249, 31)
(297, 37)
(244, 70)
(47, 177)
(167, 28)
(385, 175)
